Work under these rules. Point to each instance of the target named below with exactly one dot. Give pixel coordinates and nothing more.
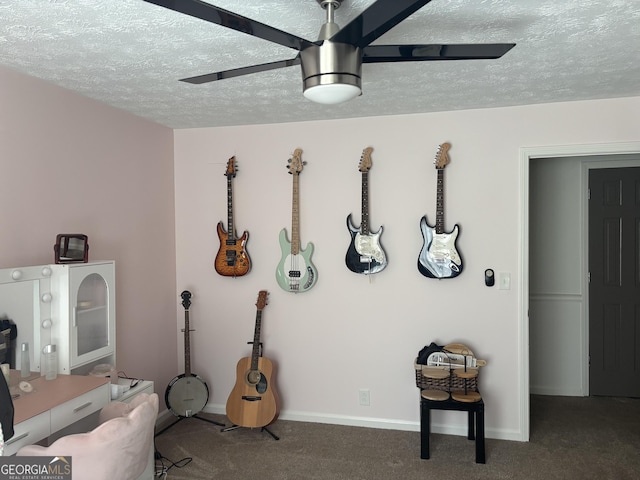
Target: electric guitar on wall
(439, 257)
(232, 259)
(295, 272)
(365, 253)
(253, 402)
(186, 394)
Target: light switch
(504, 281)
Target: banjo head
(186, 395)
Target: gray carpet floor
(571, 438)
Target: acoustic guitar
(295, 272)
(253, 402)
(186, 394)
(365, 253)
(439, 257)
(232, 259)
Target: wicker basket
(449, 383)
(451, 377)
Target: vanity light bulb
(46, 272)
(46, 323)
(16, 274)
(46, 298)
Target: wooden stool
(476, 422)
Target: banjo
(186, 394)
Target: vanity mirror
(25, 298)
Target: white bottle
(49, 362)
(25, 362)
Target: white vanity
(73, 307)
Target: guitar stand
(262, 429)
(183, 418)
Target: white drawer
(145, 386)
(78, 408)
(28, 432)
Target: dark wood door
(614, 287)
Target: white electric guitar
(439, 257)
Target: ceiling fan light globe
(332, 94)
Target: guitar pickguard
(295, 273)
(257, 379)
(365, 253)
(368, 246)
(439, 257)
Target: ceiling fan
(331, 66)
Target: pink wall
(351, 332)
(69, 164)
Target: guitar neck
(255, 354)
(440, 202)
(187, 347)
(364, 226)
(230, 230)
(295, 218)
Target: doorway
(610, 155)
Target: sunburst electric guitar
(253, 402)
(439, 257)
(295, 273)
(232, 259)
(365, 253)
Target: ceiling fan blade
(225, 18)
(419, 53)
(236, 72)
(376, 20)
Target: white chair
(116, 449)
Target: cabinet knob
(46, 297)
(46, 323)
(46, 272)
(16, 274)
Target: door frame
(526, 155)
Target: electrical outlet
(365, 397)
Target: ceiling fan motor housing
(331, 63)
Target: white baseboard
(383, 423)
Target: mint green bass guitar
(295, 273)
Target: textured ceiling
(130, 54)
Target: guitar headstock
(231, 168)
(295, 162)
(262, 299)
(186, 299)
(442, 159)
(365, 160)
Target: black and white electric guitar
(439, 257)
(365, 253)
